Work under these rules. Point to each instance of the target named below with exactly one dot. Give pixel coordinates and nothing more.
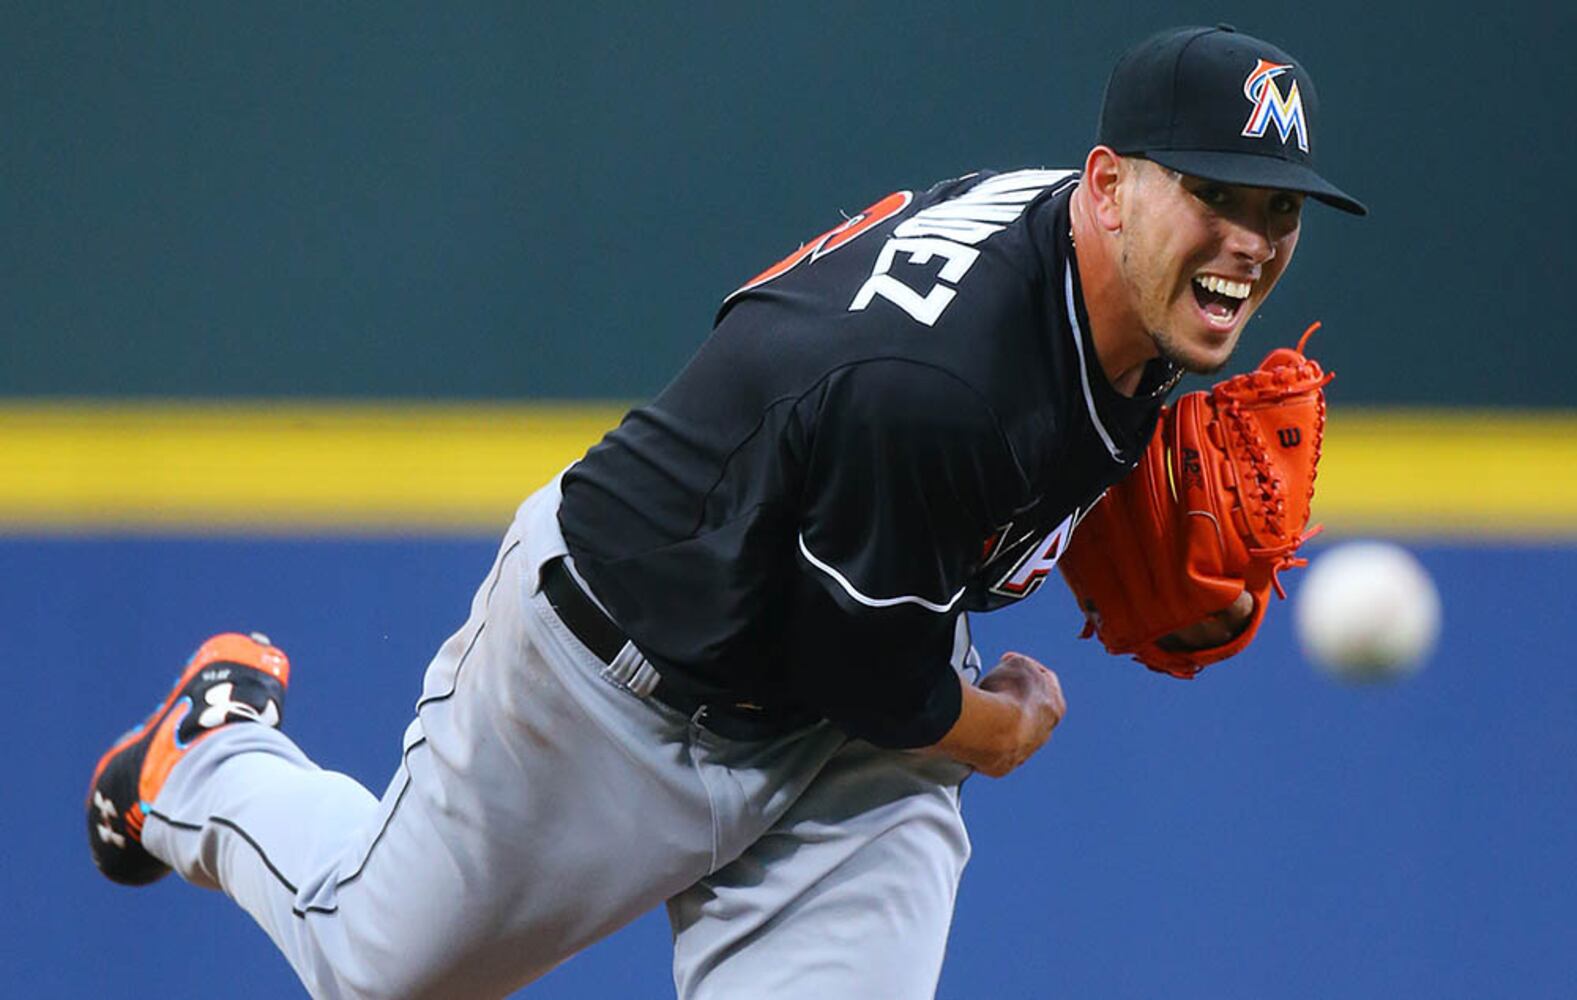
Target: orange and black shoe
(231, 678)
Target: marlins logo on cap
(1271, 106)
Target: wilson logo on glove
(1212, 511)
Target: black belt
(598, 633)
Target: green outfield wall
(511, 201)
(327, 268)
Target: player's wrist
(994, 732)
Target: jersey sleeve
(906, 473)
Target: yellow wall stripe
(265, 466)
(375, 467)
(1449, 472)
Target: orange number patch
(833, 238)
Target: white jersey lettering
(925, 308)
(950, 230)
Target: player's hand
(1216, 630)
(1038, 694)
(1007, 718)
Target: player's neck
(1122, 345)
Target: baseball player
(723, 662)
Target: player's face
(1198, 258)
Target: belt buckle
(747, 709)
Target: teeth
(1224, 286)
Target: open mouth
(1220, 298)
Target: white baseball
(1367, 611)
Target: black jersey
(901, 421)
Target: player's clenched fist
(1007, 718)
(1037, 693)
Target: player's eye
(1213, 195)
(1286, 204)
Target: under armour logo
(107, 812)
(222, 708)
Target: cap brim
(1256, 171)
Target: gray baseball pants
(540, 804)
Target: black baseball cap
(1221, 105)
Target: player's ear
(1106, 177)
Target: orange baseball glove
(1217, 506)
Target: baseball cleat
(231, 678)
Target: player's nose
(1248, 238)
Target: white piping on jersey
(1084, 371)
(876, 602)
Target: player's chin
(1201, 349)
